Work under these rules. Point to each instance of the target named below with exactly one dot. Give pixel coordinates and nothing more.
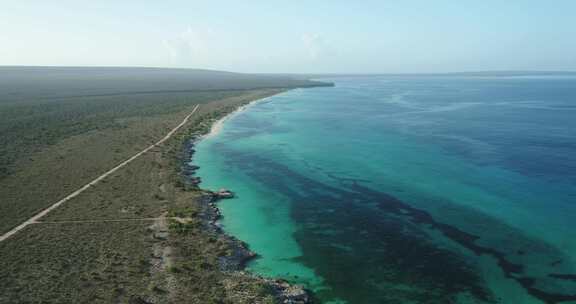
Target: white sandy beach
(219, 124)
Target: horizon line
(485, 72)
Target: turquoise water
(407, 189)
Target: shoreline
(211, 215)
(217, 125)
(510, 270)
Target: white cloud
(317, 46)
(190, 46)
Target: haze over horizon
(296, 37)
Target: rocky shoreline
(239, 254)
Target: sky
(318, 36)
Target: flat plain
(114, 243)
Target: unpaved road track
(42, 213)
(141, 219)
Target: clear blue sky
(293, 36)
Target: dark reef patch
(370, 238)
(511, 270)
(239, 252)
(353, 246)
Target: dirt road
(42, 213)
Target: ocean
(420, 189)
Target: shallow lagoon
(406, 190)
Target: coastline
(507, 278)
(217, 125)
(240, 254)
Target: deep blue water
(407, 190)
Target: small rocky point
(287, 293)
(284, 292)
(223, 194)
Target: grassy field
(111, 244)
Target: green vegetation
(113, 243)
(50, 83)
(120, 253)
(26, 127)
(73, 263)
(52, 149)
(60, 127)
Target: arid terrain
(135, 236)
